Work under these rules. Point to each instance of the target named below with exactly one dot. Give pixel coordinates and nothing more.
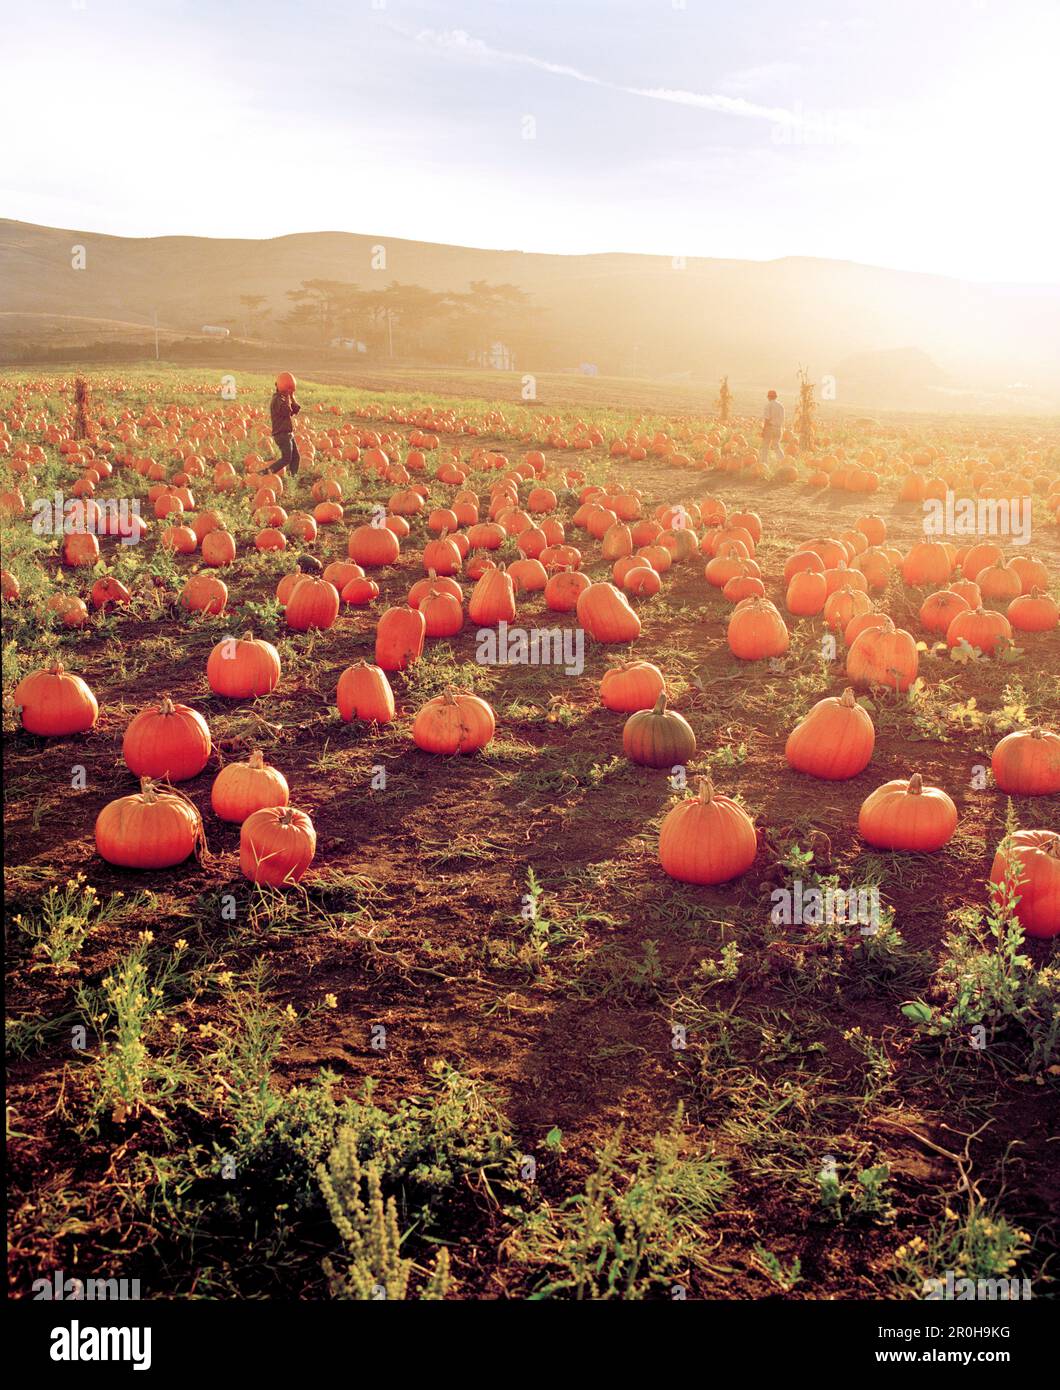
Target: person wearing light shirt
(772, 428)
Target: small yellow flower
(206, 1030)
(289, 1013)
(224, 979)
(181, 945)
(177, 1029)
(330, 1002)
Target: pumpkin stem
(847, 698)
(660, 703)
(57, 668)
(256, 760)
(147, 790)
(706, 790)
(916, 784)
(247, 637)
(165, 705)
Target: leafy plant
(372, 1265)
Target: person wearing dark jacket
(283, 408)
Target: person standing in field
(283, 409)
(772, 428)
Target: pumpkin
(218, 548)
(434, 583)
(243, 668)
(487, 535)
(844, 605)
(800, 561)
(616, 542)
(340, 572)
(203, 593)
(906, 815)
(358, 593)
(454, 722)
(862, 623)
(967, 589)
(642, 579)
(108, 591)
(564, 589)
(54, 702)
(442, 556)
(240, 789)
(883, 655)
(80, 548)
(204, 523)
(999, 581)
(978, 557)
(928, 562)
(372, 546)
(1033, 572)
(151, 829)
(707, 839)
(442, 613)
(399, 636)
(756, 630)
(605, 614)
(528, 575)
(634, 685)
(167, 740)
(1027, 763)
(658, 737)
(981, 628)
(364, 692)
(1028, 863)
(69, 609)
(806, 594)
(834, 740)
(939, 610)
(276, 845)
(1034, 612)
(493, 598)
(313, 603)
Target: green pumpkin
(658, 737)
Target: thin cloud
(461, 44)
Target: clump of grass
(987, 986)
(128, 1076)
(627, 1234)
(372, 1267)
(978, 1244)
(67, 915)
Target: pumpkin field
(535, 851)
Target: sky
(918, 135)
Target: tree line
(403, 320)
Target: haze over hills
(886, 336)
